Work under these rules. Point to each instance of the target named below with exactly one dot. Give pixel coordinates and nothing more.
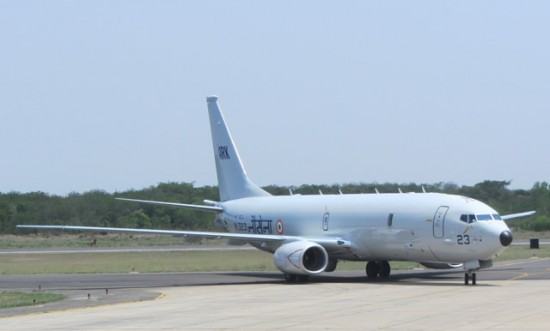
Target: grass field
(67, 240)
(183, 261)
(19, 299)
(195, 261)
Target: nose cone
(506, 238)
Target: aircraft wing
(518, 215)
(249, 237)
(226, 235)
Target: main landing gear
(291, 278)
(378, 269)
(470, 276)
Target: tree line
(99, 208)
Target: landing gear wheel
(302, 278)
(468, 277)
(384, 269)
(290, 278)
(331, 266)
(373, 269)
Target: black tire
(373, 270)
(466, 279)
(473, 279)
(384, 269)
(290, 278)
(331, 266)
(302, 278)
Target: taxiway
(509, 296)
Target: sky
(111, 95)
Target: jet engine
(301, 258)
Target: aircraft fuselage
(410, 226)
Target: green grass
(95, 239)
(192, 261)
(11, 264)
(518, 252)
(19, 299)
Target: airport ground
(510, 296)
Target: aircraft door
(439, 221)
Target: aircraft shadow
(428, 278)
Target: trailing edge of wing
(518, 215)
(174, 204)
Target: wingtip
(212, 98)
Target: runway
(510, 296)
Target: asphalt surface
(509, 296)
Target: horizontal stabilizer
(174, 204)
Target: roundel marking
(280, 227)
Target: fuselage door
(439, 221)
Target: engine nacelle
(301, 258)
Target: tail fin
(233, 182)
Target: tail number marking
(223, 153)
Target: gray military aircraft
(309, 234)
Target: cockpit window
(471, 218)
(497, 217)
(484, 217)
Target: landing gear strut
(377, 269)
(470, 276)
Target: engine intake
(301, 257)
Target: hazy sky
(111, 95)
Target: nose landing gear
(470, 276)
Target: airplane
(309, 234)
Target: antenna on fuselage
(423, 189)
(320, 192)
(340, 191)
(399, 189)
(376, 190)
(290, 191)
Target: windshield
(471, 218)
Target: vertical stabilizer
(233, 182)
